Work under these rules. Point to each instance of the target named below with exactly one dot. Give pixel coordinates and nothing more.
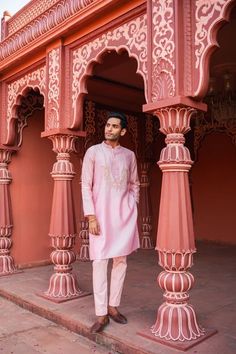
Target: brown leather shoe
(99, 326)
(116, 316)
(119, 318)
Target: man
(110, 191)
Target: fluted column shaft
(7, 265)
(145, 210)
(63, 284)
(84, 236)
(176, 319)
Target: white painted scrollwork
(207, 14)
(35, 79)
(132, 36)
(163, 49)
(53, 89)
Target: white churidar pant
(118, 273)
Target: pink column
(176, 318)
(84, 236)
(84, 227)
(144, 208)
(63, 284)
(7, 265)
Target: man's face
(113, 129)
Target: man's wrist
(91, 218)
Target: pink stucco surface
(214, 190)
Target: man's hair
(121, 116)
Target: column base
(5, 274)
(61, 299)
(146, 243)
(63, 287)
(179, 345)
(84, 253)
(7, 266)
(177, 322)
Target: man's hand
(94, 227)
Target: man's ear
(123, 131)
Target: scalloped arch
(131, 37)
(15, 90)
(208, 24)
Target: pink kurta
(110, 190)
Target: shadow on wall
(214, 190)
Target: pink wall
(214, 190)
(31, 193)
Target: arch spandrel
(54, 87)
(131, 36)
(35, 80)
(163, 50)
(209, 18)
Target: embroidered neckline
(110, 147)
(115, 182)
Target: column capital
(174, 119)
(63, 139)
(63, 144)
(5, 155)
(5, 159)
(182, 101)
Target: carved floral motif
(26, 15)
(205, 128)
(207, 14)
(53, 89)
(34, 79)
(188, 30)
(149, 129)
(163, 50)
(29, 104)
(131, 36)
(133, 130)
(89, 122)
(54, 16)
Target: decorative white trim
(53, 89)
(207, 14)
(163, 49)
(132, 36)
(34, 79)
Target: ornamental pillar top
(63, 141)
(174, 119)
(174, 113)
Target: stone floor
(23, 332)
(213, 298)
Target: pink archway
(131, 37)
(17, 89)
(26, 104)
(209, 19)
